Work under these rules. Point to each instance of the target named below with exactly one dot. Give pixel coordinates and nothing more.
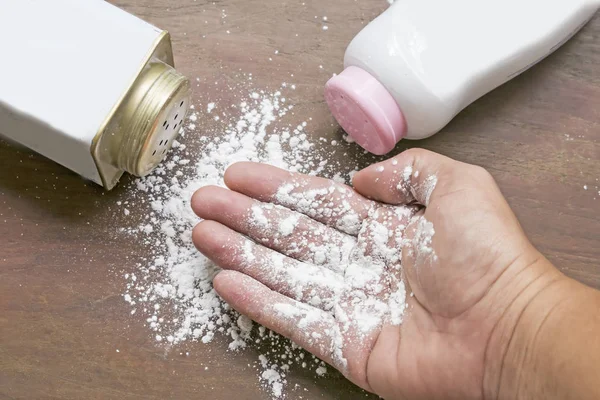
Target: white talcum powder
(173, 290)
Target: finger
(278, 228)
(326, 201)
(230, 250)
(415, 175)
(309, 327)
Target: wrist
(546, 339)
(524, 288)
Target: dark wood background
(62, 314)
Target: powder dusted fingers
(309, 327)
(276, 227)
(326, 201)
(304, 282)
(410, 177)
(178, 277)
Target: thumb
(415, 175)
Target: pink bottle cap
(365, 110)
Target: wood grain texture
(62, 315)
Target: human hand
(328, 266)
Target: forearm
(554, 349)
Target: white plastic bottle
(89, 86)
(421, 62)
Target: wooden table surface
(62, 314)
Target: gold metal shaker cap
(152, 116)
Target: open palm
(399, 283)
